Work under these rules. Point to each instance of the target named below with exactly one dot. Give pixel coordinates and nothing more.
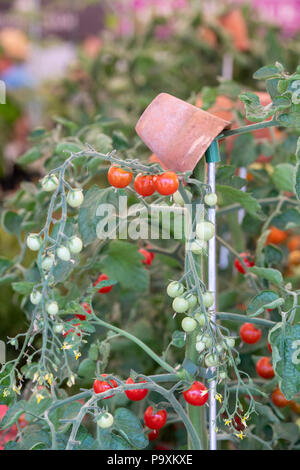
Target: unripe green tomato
(200, 346)
(58, 328)
(105, 421)
(192, 300)
(63, 253)
(75, 245)
(211, 199)
(219, 348)
(33, 242)
(75, 197)
(200, 317)
(198, 247)
(47, 263)
(222, 375)
(180, 304)
(175, 289)
(205, 230)
(188, 324)
(49, 183)
(207, 340)
(52, 308)
(211, 360)
(208, 299)
(230, 342)
(178, 199)
(35, 297)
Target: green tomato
(200, 317)
(205, 230)
(63, 253)
(208, 299)
(211, 360)
(222, 375)
(192, 300)
(200, 346)
(47, 263)
(75, 245)
(49, 183)
(211, 199)
(230, 342)
(52, 308)
(175, 289)
(105, 421)
(33, 242)
(180, 304)
(188, 324)
(207, 340)
(75, 197)
(58, 328)
(198, 247)
(35, 297)
(178, 199)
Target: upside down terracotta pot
(177, 132)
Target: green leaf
(231, 195)
(24, 288)
(88, 218)
(289, 120)
(272, 275)
(289, 218)
(285, 342)
(296, 181)
(35, 438)
(286, 431)
(243, 152)
(178, 339)
(13, 414)
(11, 222)
(5, 264)
(268, 71)
(283, 177)
(131, 426)
(255, 112)
(266, 299)
(110, 441)
(64, 149)
(123, 264)
(30, 156)
(87, 369)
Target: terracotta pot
(178, 132)
(236, 26)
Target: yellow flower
(240, 435)
(77, 354)
(219, 397)
(6, 392)
(243, 420)
(49, 378)
(17, 389)
(227, 422)
(71, 381)
(35, 377)
(39, 397)
(66, 346)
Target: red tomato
(264, 368)
(103, 290)
(112, 381)
(148, 256)
(102, 386)
(249, 334)
(145, 185)
(197, 394)
(269, 348)
(279, 399)
(118, 177)
(155, 420)
(276, 236)
(247, 260)
(88, 310)
(138, 394)
(167, 183)
(154, 434)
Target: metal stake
(212, 156)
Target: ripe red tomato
(264, 368)
(247, 260)
(155, 420)
(138, 394)
(167, 183)
(145, 185)
(102, 386)
(88, 310)
(103, 290)
(269, 348)
(197, 394)
(118, 177)
(276, 236)
(279, 399)
(149, 256)
(154, 434)
(249, 334)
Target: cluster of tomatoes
(165, 184)
(196, 395)
(250, 334)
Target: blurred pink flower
(163, 31)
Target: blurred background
(84, 70)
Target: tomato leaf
(272, 275)
(266, 299)
(283, 177)
(285, 343)
(231, 195)
(131, 426)
(24, 288)
(13, 414)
